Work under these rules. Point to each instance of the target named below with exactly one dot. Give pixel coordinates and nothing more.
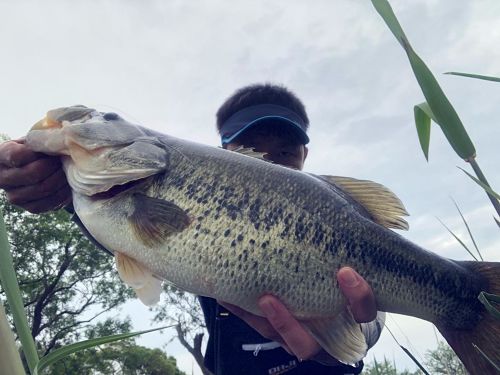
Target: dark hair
(259, 93)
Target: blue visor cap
(249, 116)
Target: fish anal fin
(146, 286)
(339, 336)
(383, 205)
(250, 151)
(154, 219)
(150, 293)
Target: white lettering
(281, 369)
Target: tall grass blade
(487, 299)
(493, 196)
(485, 356)
(478, 76)
(377, 370)
(11, 287)
(468, 229)
(445, 114)
(384, 9)
(415, 360)
(67, 350)
(487, 188)
(10, 361)
(459, 240)
(423, 124)
(480, 175)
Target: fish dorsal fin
(153, 219)
(146, 286)
(250, 151)
(382, 204)
(340, 336)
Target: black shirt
(234, 348)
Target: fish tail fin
(484, 337)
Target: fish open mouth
(56, 117)
(118, 189)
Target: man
(272, 120)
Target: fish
(233, 226)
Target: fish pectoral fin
(250, 151)
(146, 286)
(340, 336)
(153, 219)
(382, 204)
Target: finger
(54, 202)
(295, 336)
(16, 154)
(358, 294)
(25, 194)
(29, 174)
(242, 314)
(286, 348)
(258, 323)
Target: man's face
(276, 140)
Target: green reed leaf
(477, 76)
(445, 115)
(487, 299)
(487, 188)
(468, 230)
(485, 356)
(423, 124)
(11, 287)
(459, 240)
(10, 361)
(67, 350)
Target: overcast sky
(168, 65)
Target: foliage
(437, 106)
(385, 368)
(443, 360)
(9, 355)
(183, 310)
(65, 284)
(65, 281)
(439, 109)
(122, 357)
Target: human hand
(279, 324)
(33, 181)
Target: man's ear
(306, 151)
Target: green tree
(443, 360)
(66, 283)
(183, 310)
(122, 357)
(386, 368)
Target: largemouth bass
(227, 225)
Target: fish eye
(110, 116)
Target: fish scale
(262, 218)
(256, 225)
(229, 226)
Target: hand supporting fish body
(229, 226)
